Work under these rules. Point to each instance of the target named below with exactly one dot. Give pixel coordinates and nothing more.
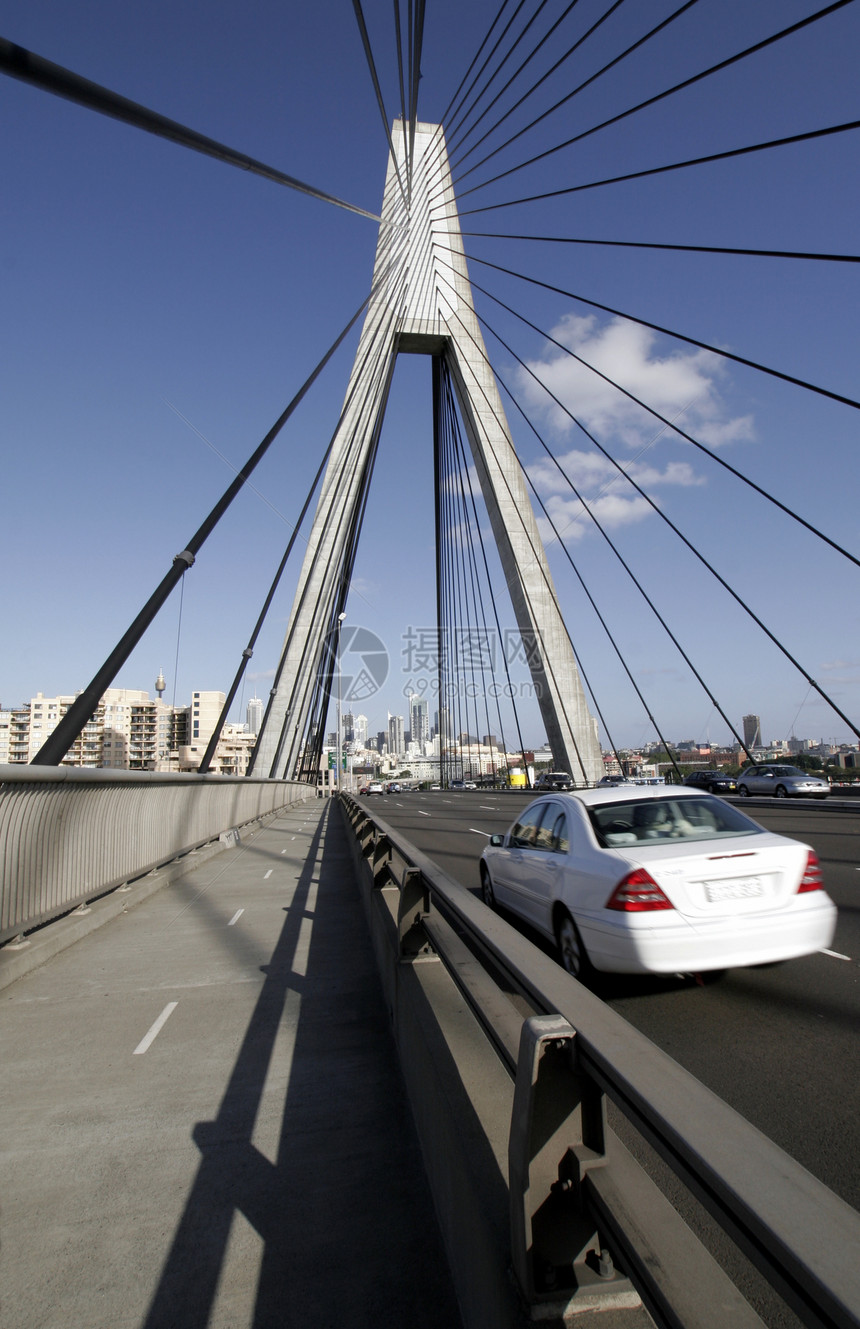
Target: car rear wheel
(780, 791)
(488, 895)
(573, 955)
(743, 791)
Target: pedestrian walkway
(202, 1116)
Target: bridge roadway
(254, 1162)
(779, 1044)
(250, 1159)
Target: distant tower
(752, 731)
(254, 715)
(160, 684)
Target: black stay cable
(31, 68)
(662, 170)
(477, 527)
(398, 36)
(763, 493)
(359, 373)
(477, 614)
(640, 588)
(71, 725)
(679, 336)
(668, 92)
(443, 119)
(336, 505)
(500, 635)
(249, 649)
(687, 249)
(546, 661)
(371, 64)
(587, 83)
(655, 507)
(497, 71)
(594, 605)
(480, 350)
(453, 122)
(455, 143)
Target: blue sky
(160, 309)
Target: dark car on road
(781, 782)
(553, 780)
(716, 782)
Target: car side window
(524, 832)
(560, 840)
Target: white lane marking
(477, 832)
(235, 919)
(283, 851)
(487, 807)
(423, 814)
(156, 1029)
(835, 955)
(268, 874)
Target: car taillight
(636, 893)
(812, 879)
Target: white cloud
(613, 502)
(683, 387)
(680, 384)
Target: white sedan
(657, 880)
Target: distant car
(365, 789)
(614, 779)
(375, 787)
(392, 788)
(553, 780)
(659, 880)
(716, 782)
(781, 782)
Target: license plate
(741, 889)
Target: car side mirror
(497, 840)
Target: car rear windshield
(646, 820)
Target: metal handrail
(789, 1224)
(69, 835)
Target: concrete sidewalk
(202, 1116)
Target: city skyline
(166, 308)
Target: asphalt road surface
(780, 1044)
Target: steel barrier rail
(781, 1218)
(70, 834)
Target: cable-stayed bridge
(493, 509)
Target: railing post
(380, 859)
(558, 1132)
(412, 907)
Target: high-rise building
(254, 715)
(396, 739)
(381, 740)
(360, 730)
(752, 731)
(419, 721)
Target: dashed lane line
(235, 919)
(268, 874)
(150, 1037)
(477, 832)
(834, 955)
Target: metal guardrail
(579, 1203)
(69, 835)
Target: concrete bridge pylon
(421, 303)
